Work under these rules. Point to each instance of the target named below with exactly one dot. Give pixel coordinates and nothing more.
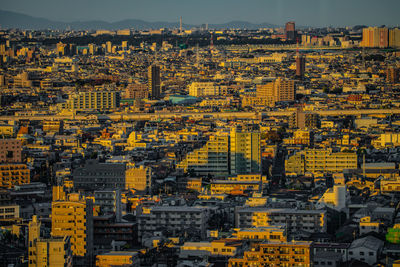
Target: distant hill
(10, 19)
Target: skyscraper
(290, 31)
(300, 66)
(154, 81)
(375, 37)
(245, 154)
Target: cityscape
(149, 143)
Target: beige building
(295, 253)
(320, 161)
(201, 89)
(95, 100)
(118, 258)
(74, 217)
(14, 174)
(138, 178)
(54, 252)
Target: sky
(304, 12)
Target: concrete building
(95, 100)
(154, 81)
(211, 159)
(201, 89)
(245, 152)
(320, 161)
(295, 253)
(14, 174)
(290, 31)
(312, 221)
(232, 187)
(74, 217)
(118, 258)
(10, 151)
(375, 37)
(394, 38)
(173, 219)
(8, 212)
(335, 198)
(304, 120)
(138, 179)
(95, 176)
(109, 202)
(300, 66)
(136, 91)
(55, 251)
(271, 233)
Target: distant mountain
(10, 19)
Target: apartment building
(211, 159)
(94, 100)
(202, 89)
(295, 253)
(14, 174)
(54, 251)
(74, 217)
(320, 161)
(312, 221)
(95, 176)
(174, 219)
(138, 178)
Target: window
(361, 253)
(371, 253)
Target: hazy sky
(304, 12)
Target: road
(197, 115)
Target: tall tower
(300, 65)
(154, 83)
(180, 25)
(290, 31)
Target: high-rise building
(238, 153)
(393, 75)
(109, 47)
(55, 251)
(300, 66)
(375, 37)
(394, 38)
(154, 82)
(74, 217)
(211, 159)
(290, 31)
(245, 154)
(276, 91)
